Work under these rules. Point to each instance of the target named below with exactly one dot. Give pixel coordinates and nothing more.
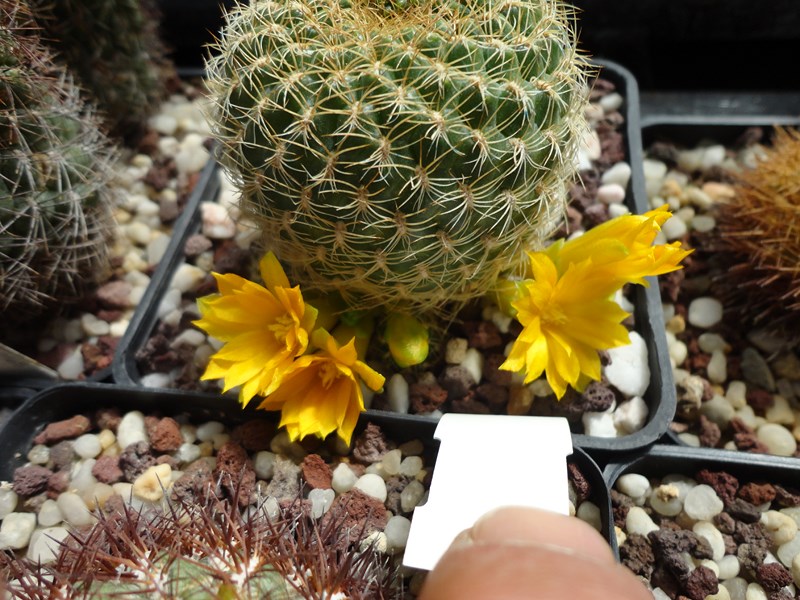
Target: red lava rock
(196, 245)
(57, 483)
(95, 357)
(636, 553)
(106, 470)
(135, 460)
(760, 400)
(165, 436)
(254, 435)
(495, 396)
(483, 335)
(61, 455)
(234, 473)
(710, 433)
(701, 582)
(620, 504)
(581, 485)
(196, 483)
(725, 523)
(425, 397)
(667, 542)
(285, 483)
(773, 576)
(394, 487)
(753, 534)
(31, 479)
(316, 472)
(457, 381)
(470, 405)
(370, 445)
(108, 418)
(492, 372)
(724, 484)
(114, 294)
(597, 397)
(357, 514)
(757, 493)
(750, 556)
(63, 430)
(786, 497)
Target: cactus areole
(402, 154)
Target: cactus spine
(55, 203)
(403, 155)
(114, 50)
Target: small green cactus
(114, 50)
(402, 154)
(55, 199)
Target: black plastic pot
(697, 124)
(66, 400)
(660, 396)
(661, 460)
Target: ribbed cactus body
(55, 199)
(113, 49)
(400, 155)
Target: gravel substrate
(107, 460)
(463, 375)
(737, 388)
(712, 536)
(152, 184)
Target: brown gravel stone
(285, 482)
(724, 484)
(370, 445)
(254, 435)
(114, 294)
(786, 497)
(358, 514)
(701, 582)
(61, 455)
(757, 493)
(234, 473)
(470, 405)
(760, 400)
(394, 487)
(494, 395)
(637, 554)
(106, 469)
(773, 576)
(31, 479)
(483, 335)
(196, 245)
(165, 435)
(196, 483)
(63, 430)
(620, 505)
(316, 472)
(108, 418)
(57, 483)
(709, 433)
(425, 397)
(492, 372)
(135, 460)
(725, 523)
(457, 381)
(581, 485)
(750, 556)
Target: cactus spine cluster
(759, 236)
(113, 49)
(402, 154)
(55, 201)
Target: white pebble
(473, 363)
(151, 484)
(87, 446)
(796, 569)
(264, 464)
(666, 500)
(44, 545)
(589, 512)
(187, 278)
(192, 156)
(781, 528)
(717, 368)
(755, 592)
(737, 588)
(156, 380)
(217, 222)
(705, 312)
(156, 248)
(391, 461)
(718, 410)
(8, 500)
(138, 232)
(703, 223)
(71, 367)
(188, 453)
(634, 485)
(702, 503)
(163, 123)
(411, 495)
(618, 210)
(375, 541)
(611, 102)
(780, 412)
(38, 455)
(131, 429)
(82, 478)
(674, 228)
(707, 530)
(456, 350)
(321, 500)
(619, 173)
(599, 424)
(207, 431)
(343, 479)
(411, 466)
(372, 485)
(628, 370)
(611, 193)
(397, 393)
(188, 337)
(92, 326)
(777, 439)
(638, 521)
(74, 509)
(396, 531)
(709, 342)
(728, 567)
(788, 550)
(16, 530)
(631, 416)
(49, 514)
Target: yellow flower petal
(272, 273)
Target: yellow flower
(264, 329)
(564, 324)
(622, 249)
(322, 392)
(566, 309)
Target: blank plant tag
(485, 462)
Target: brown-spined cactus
(114, 50)
(55, 198)
(402, 154)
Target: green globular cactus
(114, 50)
(55, 199)
(403, 155)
